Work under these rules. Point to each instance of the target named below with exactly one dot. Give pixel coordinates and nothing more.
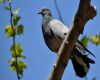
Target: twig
(58, 11)
(14, 40)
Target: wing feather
(58, 28)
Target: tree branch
(85, 12)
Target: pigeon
(54, 32)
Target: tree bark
(85, 12)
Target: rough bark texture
(85, 12)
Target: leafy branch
(95, 39)
(16, 49)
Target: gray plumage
(54, 32)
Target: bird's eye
(65, 33)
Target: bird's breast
(53, 42)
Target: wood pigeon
(54, 32)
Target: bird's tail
(81, 63)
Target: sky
(39, 58)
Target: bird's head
(45, 11)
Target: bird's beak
(39, 13)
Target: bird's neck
(45, 21)
(47, 18)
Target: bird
(54, 32)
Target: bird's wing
(58, 28)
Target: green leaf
(22, 66)
(9, 1)
(85, 41)
(6, 8)
(16, 11)
(12, 65)
(16, 51)
(17, 67)
(1, 1)
(95, 39)
(9, 31)
(16, 20)
(22, 56)
(20, 29)
(19, 47)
